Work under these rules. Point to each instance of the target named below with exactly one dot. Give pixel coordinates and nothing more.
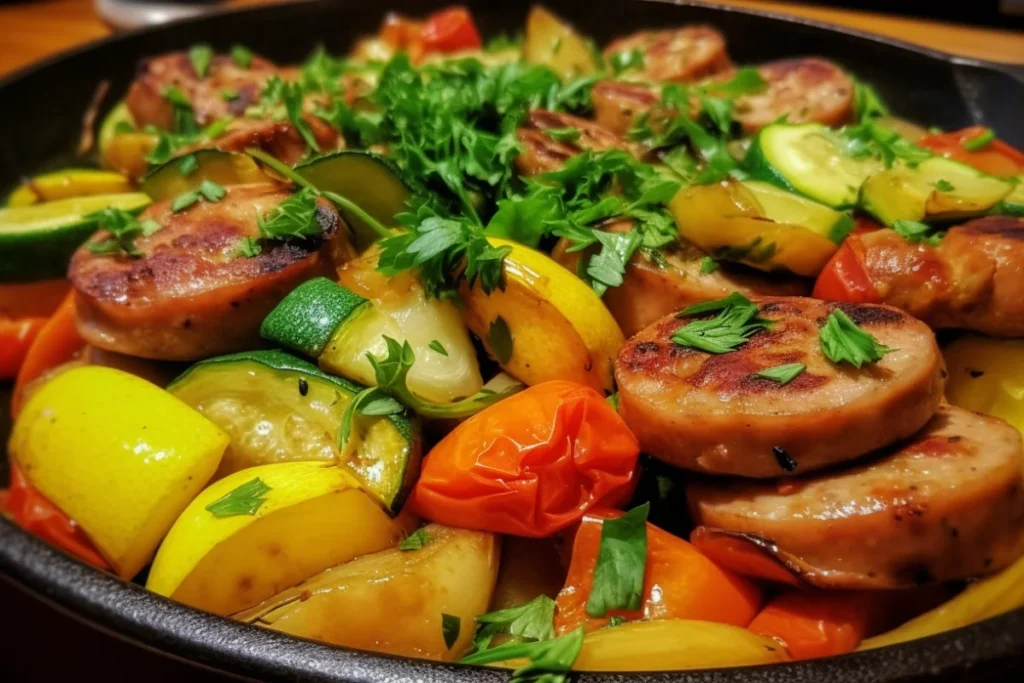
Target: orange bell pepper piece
(56, 343)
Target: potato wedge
(546, 325)
(987, 376)
(392, 601)
(313, 516)
(674, 645)
(118, 455)
(552, 42)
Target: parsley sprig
(533, 620)
(621, 563)
(843, 341)
(549, 660)
(124, 229)
(735, 323)
(247, 499)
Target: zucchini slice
(277, 408)
(168, 180)
(936, 189)
(809, 159)
(758, 224)
(37, 241)
(66, 183)
(370, 180)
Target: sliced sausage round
(675, 279)
(542, 153)
(684, 54)
(973, 279)
(191, 293)
(148, 104)
(946, 505)
(280, 139)
(803, 90)
(618, 104)
(713, 413)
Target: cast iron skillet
(40, 126)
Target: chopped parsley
(208, 190)
(370, 402)
(943, 185)
(247, 499)
(980, 141)
(437, 347)
(124, 229)
(549, 660)
(915, 231)
(783, 374)
(627, 60)
(241, 55)
(621, 563)
(866, 102)
(201, 56)
(735, 323)
(499, 340)
(566, 134)
(450, 627)
(416, 540)
(708, 265)
(533, 620)
(843, 341)
(188, 165)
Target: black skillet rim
(130, 612)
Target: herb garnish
(866, 102)
(943, 185)
(499, 340)
(621, 563)
(200, 55)
(915, 231)
(124, 228)
(566, 134)
(533, 620)
(437, 347)
(450, 627)
(368, 402)
(980, 141)
(241, 55)
(783, 374)
(208, 190)
(416, 540)
(843, 341)
(626, 60)
(188, 165)
(550, 660)
(708, 265)
(247, 499)
(730, 329)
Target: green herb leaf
(124, 228)
(211, 191)
(980, 141)
(944, 186)
(244, 500)
(450, 627)
(719, 112)
(626, 60)
(866, 102)
(746, 81)
(184, 118)
(566, 134)
(730, 329)
(550, 660)
(621, 563)
(241, 56)
(124, 127)
(708, 265)
(229, 95)
(184, 200)
(371, 402)
(416, 540)
(533, 620)
(249, 247)
(613, 401)
(783, 374)
(915, 231)
(843, 341)
(200, 56)
(292, 96)
(188, 165)
(437, 347)
(499, 340)
(294, 218)
(615, 621)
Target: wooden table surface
(40, 28)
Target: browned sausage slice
(280, 139)
(684, 54)
(947, 505)
(618, 104)
(711, 413)
(191, 294)
(541, 153)
(652, 289)
(148, 104)
(803, 90)
(973, 279)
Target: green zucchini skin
(307, 318)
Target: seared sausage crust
(973, 279)
(682, 55)
(711, 413)
(949, 504)
(192, 294)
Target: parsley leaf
(437, 347)
(291, 95)
(915, 231)
(295, 218)
(943, 185)
(124, 228)
(450, 627)
(184, 200)
(416, 540)
(566, 134)
(247, 499)
(201, 55)
(783, 374)
(188, 165)
(249, 247)
(843, 341)
(371, 401)
(533, 620)
(708, 265)
(184, 117)
(241, 55)
(866, 102)
(499, 340)
(621, 563)
(980, 141)
(615, 621)
(626, 60)
(736, 322)
(719, 112)
(550, 660)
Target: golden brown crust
(709, 413)
(949, 504)
(541, 153)
(807, 89)
(191, 294)
(686, 54)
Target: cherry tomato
(530, 465)
(450, 30)
(38, 516)
(844, 278)
(680, 582)
(996, 158)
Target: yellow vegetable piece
(552, 42)
(675, 644)
(986, 598)
(70, 182)
(395, 598)
(558, 327)
(314, 516)
(727, 218)
(987, 376)
(119, 455)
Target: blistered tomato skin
(530, 465)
